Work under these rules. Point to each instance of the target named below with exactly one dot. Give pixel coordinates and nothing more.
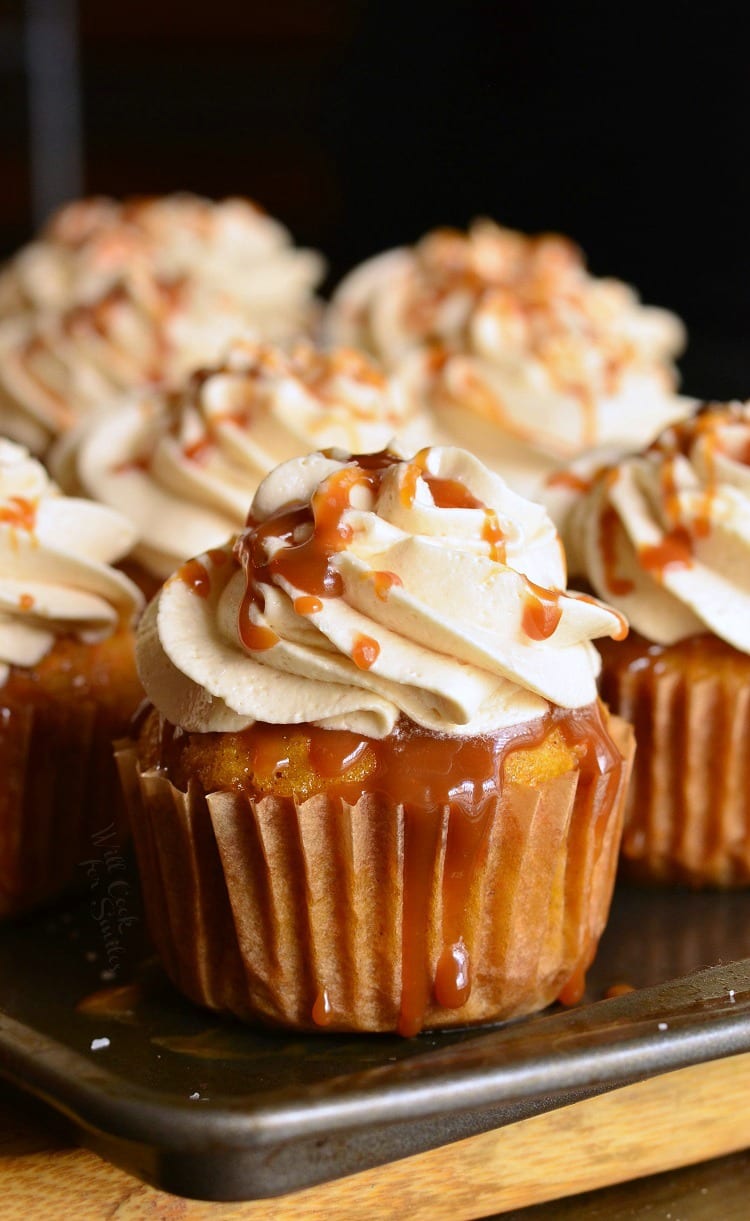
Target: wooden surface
(673, 1120)
(711, 1191)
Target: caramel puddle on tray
(118, 1003)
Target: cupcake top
(519, 351)
(55, 557)
(230, 246)
(121, 295)
(665, 535)
(363, 588)
(183, 466)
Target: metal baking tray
(207, 1108)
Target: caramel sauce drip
(198, 451)
(492, 533)
(431, 777)
(615, 990)
(570, 480)
(541, 611)
(255, 636)
(408, 489)
(308, 604)
(572, 992)
(674, 551)
(322, 1010)
(18, 512)
(140, 463)
(608, 525)
(196, 576)
(623, 628)
(384, 583)
(451, 494)
(365, 652)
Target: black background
(362, 125)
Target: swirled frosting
(363, 588)
(184, 466)
(55, 557)
(522, 355)
(121, 295)
(665, 535)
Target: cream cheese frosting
(521, 354)
(184, 466)
(665, 535)
(366, 588)
(121, 295)
(55, 557)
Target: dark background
(362, 125)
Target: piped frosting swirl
(518, 350)
(120, 295)
(55, 564)
(665, 535)
(365, 588)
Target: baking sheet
(206, 1107)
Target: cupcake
(664, 536)
(183, 466)
(68, 682)
(376, 790)
(520, 354)
(115, 296)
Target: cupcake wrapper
(60, 795)
(327, 914)
(688, 810)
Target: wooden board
(672, 1120)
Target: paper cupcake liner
(60, 797)
(687, 814)
(327, 914)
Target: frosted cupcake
(377, 790)
(665, 537)
(114, 296)
(184, 466)
(521, 354)
(68, 683)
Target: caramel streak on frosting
(665, 535)
(55, 557)
(464, 637)
(184, 465)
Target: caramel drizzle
(365, 652)
(195, 575)
(315, 532)
(541, 611)
(19, 512)
(384, 582)
(608, 529)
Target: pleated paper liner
(61, 806)
(325, 914)
(688, 810)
